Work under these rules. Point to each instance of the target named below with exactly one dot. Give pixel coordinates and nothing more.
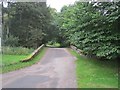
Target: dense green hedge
(92, 27)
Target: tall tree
(28, 22)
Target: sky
(58, 4)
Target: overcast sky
(58, 4)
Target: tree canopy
(26, 22)
(92, 27)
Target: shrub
(11, 41)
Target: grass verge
(16, 50)
(24, 64)
(95, 73)
(8, 59)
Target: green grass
(9, 59)
(95, 73)
(24, 64)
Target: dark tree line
(26, 24)
(90, 26)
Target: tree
(28, 22)
(92, 27)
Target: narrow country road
(55, 70)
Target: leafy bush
(16, 50)
(11, 41)
(53, 44)
(92, 27)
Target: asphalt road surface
(55, 70)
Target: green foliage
(11, 41)
(92, 27)
(53, 44)
(16, 50)
(28, 21)
(52, 33)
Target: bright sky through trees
(57, 4)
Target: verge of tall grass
(92, 73)
(24, 64)
(16, 50)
